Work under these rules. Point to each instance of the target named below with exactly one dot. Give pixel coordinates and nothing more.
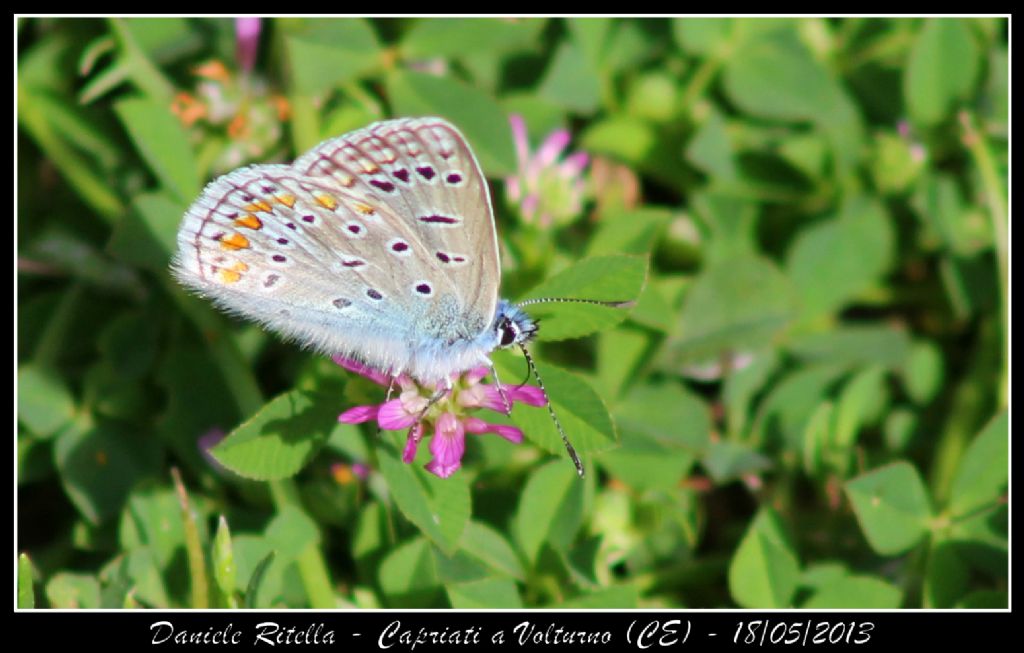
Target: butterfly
(379, 245)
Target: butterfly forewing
(376, 244)
(422, 171)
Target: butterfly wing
(422, 171)
(325, 253)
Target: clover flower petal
(447, 420)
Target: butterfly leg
(501, 388)
(387, 397)
(439, 393)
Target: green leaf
(895, 164)
(821, 574)
(741, 386)
(623, 137)
(252, 591)
(332, 54)
(854, 345)
(726, 460)
(45, 404)
(923, 372)
(464, 37)
(663, 429)
(477, 115)
(144, 523)
(460, 567)
(832, 262)
(774, 75)
(73, 591)
(129, 343)
(702, 36)
(617, 597)
(488, 593)
(604, 278)
(948, 216)
(370, 535)
(628, 231)
(791, 402)
(281, 438)
(439, 507)
(900, 426)
(491, 548)
(734, 306)
(98, 467)
(983, 475)
(942, 71)
(408, 569)
(290, 533)
(580, 410)
(163, 143)
(713, 151)
(657, 306)
(891, 505)
(861, 402)
(591, 35)
(855, 592)
(620, 352)
(571, 80)
(946, 575)
(985, 600)
(26, 591)
(817, 436)
(764, 571)
(551, 502)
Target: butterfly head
(513, 326)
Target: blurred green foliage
(806, 408)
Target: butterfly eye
(509, 332)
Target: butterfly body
(378, 245)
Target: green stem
(995, 197)
(701, 79)
(26, 593)
(193, 547)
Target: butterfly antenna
(558, 425)
(565, 300)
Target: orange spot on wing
(287, 200)
(229, 276)
(370, 168)
(258, 205)
(365, 209)
(250, 221)
(234, 241)
(327, 202)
